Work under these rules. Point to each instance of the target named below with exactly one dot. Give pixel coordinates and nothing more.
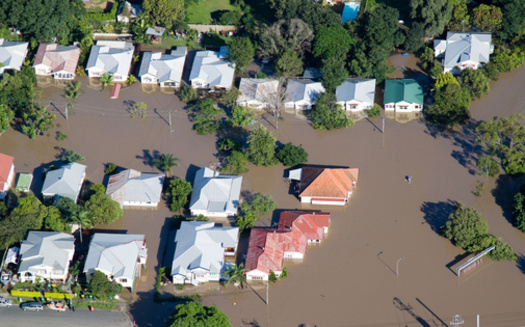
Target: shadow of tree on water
(506, 188)
(437, 213)
(468, 150)
(520, 263)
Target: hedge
(17, 293)
(112, 15)
(56, 295)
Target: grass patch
(200, 13)
(96, 305)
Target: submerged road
(15, 317)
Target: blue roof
(350, 11)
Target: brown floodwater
(350, 279)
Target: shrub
(56, 295)
(17, 293)
(231, 17)
(61, 136)
(260, 75)
(187, 94)
(72, 156)
(110, 168)
(375, 111)
(291, 155)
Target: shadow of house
(39, 175)
(437, 213)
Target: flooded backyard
(350, 279)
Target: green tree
(165, 162)
(261, 147)
(488, 166)
(502, 250)
(451, 106)
(415, 37)
(334, 73)
(229, 97)
(508, 59)
(54, 220)
(106, 79)
(443, 80)
(272, 277)
(236, 163)
(6, 116)
(29, 214)
(332, 42)
(36, 120)
(327, 115)
(103, 209)
(178, 192)
(100, 286)
(241, 116)
(195, 314)
(513, 19)
(71, 156)
(228, 145)
(18, 90)
(73, 90)
(519, 211)
(435, 14)
(236, 274)
(475, 81)
(165, 13)
(460, 18)
(427, 58)
(205, 114)
(187, 94)
(83, 218)
(487, 18)
(504, 141)
(464, 226)
(284, 273)
(246, 220)
(289, 64)
(260, 204)
(138, 110)
(241, 52)
(291, 155)
(285, 35)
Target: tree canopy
(435, 14)
(103, 209)
(261, 147)
(332, 42)
(464, 226)
(291, 155)
(328, 115)
(241, 52)
(285, 35)
(195, 314)
(451, 106)
(475, 81)
(167, 13)
(487, 18)
(178, 192)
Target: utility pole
(65, 110)
(457, 321)
(397, 265)
(383, 125)
(267, 304)
(169, 117)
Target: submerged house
(211, 72)
(7, 173)
(356, 94)
(200, 247)
(12, 55)
(326, 186)
(463, 50)
(302, 93)
(110, 57)
(132, 188)
(64, 182)
(56, 60)
(257, 93)
(163, 69)
(403, 95)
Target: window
(123, 280)
(403, 107)
(257, 278)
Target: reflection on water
(403, 117)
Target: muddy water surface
(350, 279)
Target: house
(199, 251)
(269, 247)
(110, 57)
(211, 72)
(302, 93)
(215, 195)
(46, 255)
(12, 55)
(132, 188)
(128, 12)
(403, 95)
(356, 94)
(56, 60)
(155, 33)
(463, 50)
(163, 69)
(257, 93)
(64, 182)
(119, 256)
(330, 186)
(7, 173)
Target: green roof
(408, 90)
(24, 182)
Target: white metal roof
(135, 186)
(12, 54)
(303, 89)
(467, 47)
(165, 67)
(214, 192)
(208, 67)
(262, 89)
(112, 57)
(359, 89)
(46, 249)
(65, 181)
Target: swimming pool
(350, 11)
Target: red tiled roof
(328, 182)
(267, 246)
(5, 166)
(63, 59)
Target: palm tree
(74, 90)
(236, 274)
(106, 80)
(165, 162)
(83, 219)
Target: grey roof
(116, 254)
(165, 67)
(257, 89)
(214, 192)
(112, 57)
(359, 89)
(12, 54)
(199, 244)
(50, 249)
(155, 30)
(312, 72)
(135, 186)
(467, 46)
(65, 181)
(208, 67)
(303, 89)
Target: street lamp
(397, 265)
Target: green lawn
(200, 13)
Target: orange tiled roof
(328, 182)
(5, 166)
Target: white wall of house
(355, 105)
(255, 104)
(63, 75)
(173, 84)
(148, 79)
(199, 275)
(10, 179)
(318, 200)
(403, 107)
(43, 272)
(456, 70)
(213, 214)
(95, 72)
(293, 255)
(139, 204)
(125, 282)
(256, 275)
(198, 83)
